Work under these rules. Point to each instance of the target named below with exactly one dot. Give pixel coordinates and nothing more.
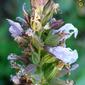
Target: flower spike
(44, 56)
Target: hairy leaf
(52, 40)
(47, 59)
(35, 58)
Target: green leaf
(52, 40)
(35, 58)
(37, 42)
(47, 59)
(53, 73)
(50, 71)
(47, 68)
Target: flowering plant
(45, 59)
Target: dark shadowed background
(72, 11)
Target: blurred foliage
(70, 12)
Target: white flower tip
(23, 8)
(56, 7)
(13, 23)
(76, 33)
(46, 27)
(76, 54)
(10, 21)
(12, 57)
(71, 27)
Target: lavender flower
(15, 28)
(68, 29)
(15, 79)
(64, 54)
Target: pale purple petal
(15, 28)
(68, 29)
(64, 54)
(15, 80)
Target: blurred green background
(72, 11)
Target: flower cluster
(45, 57)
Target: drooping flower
(65, 54)
(68, 29)
(15, 28)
